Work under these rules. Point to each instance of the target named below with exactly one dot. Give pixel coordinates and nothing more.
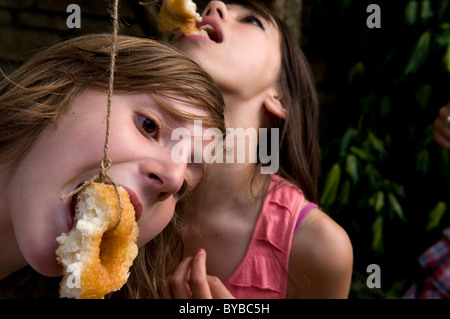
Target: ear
(273, 104)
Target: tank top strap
(308, 207)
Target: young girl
(52, 134)
(263, 235)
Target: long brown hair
(32, 97)
(299, 142)
(299, 136)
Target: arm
(441, 127)
(321, 259)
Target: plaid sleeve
(436, 263)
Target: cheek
(253, 73)
(154, 220)
(51, 167)
(124, 140)
(39, 217)
(270, 61)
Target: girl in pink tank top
(262, 272)
(250, 229)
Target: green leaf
(346, 139)
(426, 12)
(443, 8)
(365, 155)
(396, 206)
(345, 192)
(379, 201)
(419, 53)
(399, 189)
(411, 12)
(373, 174)
(331, 185)
(376, 143)
(435, 216)
(443, 39)
(422, 161)
(351, 167)
(377, 235)
(357, 72)
(447, 59)
(385, 106)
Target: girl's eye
(254, 20)
(148, 126)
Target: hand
(441, 129)
(189, 280)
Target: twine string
(105, 163)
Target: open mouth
(211, 32)
(134, 199)
(72, 203)
(212, 29)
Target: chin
(44, 262)
(145, 238)
(146, 234)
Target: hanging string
(105, 163)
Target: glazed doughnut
(96, 257)
(181, 15)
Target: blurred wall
(29, 25)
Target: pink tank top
(262, 273)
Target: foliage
(384, 179)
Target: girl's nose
(216, 8)
(164, 175)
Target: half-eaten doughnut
(96, 256)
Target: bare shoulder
(321, 259)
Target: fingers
(204, 286)
(190, 280)
(198, 281)
(218, 289)
(441, 128)
(178, 281)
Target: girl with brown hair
(52, 134)
(264, 235)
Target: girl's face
(243, 53)
(68, 153)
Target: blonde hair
(32, 97)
